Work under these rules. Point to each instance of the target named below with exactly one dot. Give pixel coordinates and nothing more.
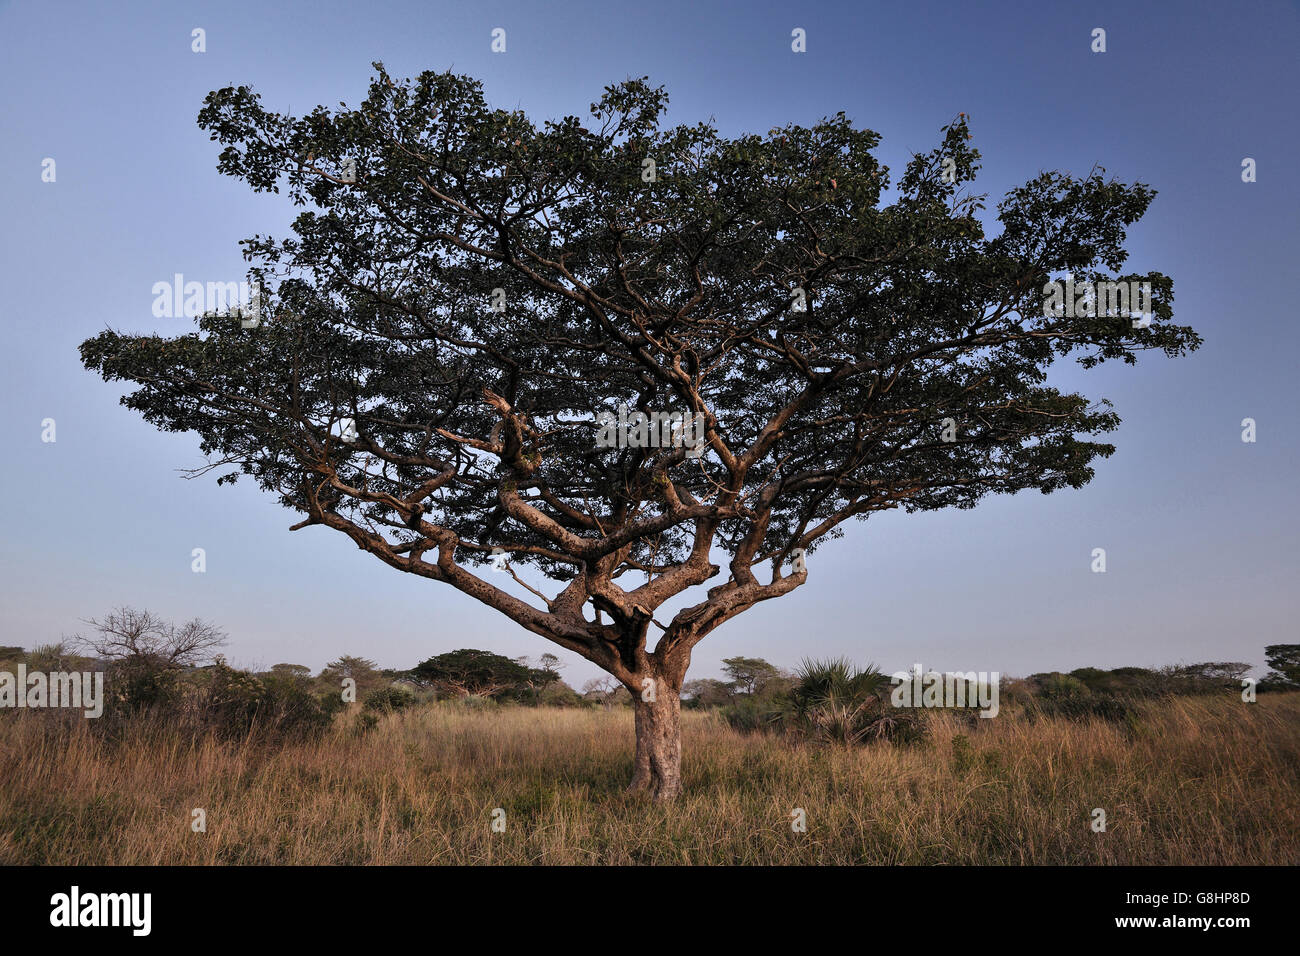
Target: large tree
(468, 295)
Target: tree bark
(658, 767)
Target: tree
(291, 671)
(606, 691)
(749, 674)
(129, 634)
(546, 673)
(360, 669)
(145, 654)
(481, 673)
(707, 692)
(835, 700)
(470, 354)
(1284, 659)
(1211, 674)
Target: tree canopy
(482, 673)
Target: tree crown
(471, 301)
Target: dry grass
(1196, 781)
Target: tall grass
(1191, 781)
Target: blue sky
(1199, 527)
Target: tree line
(155, 667)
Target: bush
(139, 683)
(366, 722)
(1086, 707)
(1058, 686)
(331, 702)
(388, 699)
(560, 694)
(749, 714)
(236, 703)
(831, 701)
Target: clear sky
(1199, 527)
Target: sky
(1199, 527)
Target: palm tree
(834, 700)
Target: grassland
(1192, 781)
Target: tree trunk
(658, 767)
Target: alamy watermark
(1087, 299)
(636, 429)
(130, 910)
(181, 299)
(915, 688)
(37, 689)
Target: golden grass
(1196, 781)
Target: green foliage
(474, 672)
(389, 699)
(750, 714)
(292, 670)
(140, 683)
(1206, 677)
(559, 694)
(1058, 686)
(359, 669)
(237, 704)
(707, 692)
(1284, 659)
(831, 701)
(366, 721)
(749, 674)
(1086, 706)
(331, 702)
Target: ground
(1193, 781)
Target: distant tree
(360, 669)
(559, 694)
(707, 692)
(749, 674)
(349, 666)
(605, 691)
(481, 673)
(1210, 675)
(1284, 659)
(541, 675)
(126, 633)
(1128, 681)
(301, 671)
(146, 655)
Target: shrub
(1058, 686)
(388, 699)
(236, 703)
(560, 694)
(831, 701)
(366, 721)
(1081, 707)
(749, 714)
(139, 683)
(331, 702)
